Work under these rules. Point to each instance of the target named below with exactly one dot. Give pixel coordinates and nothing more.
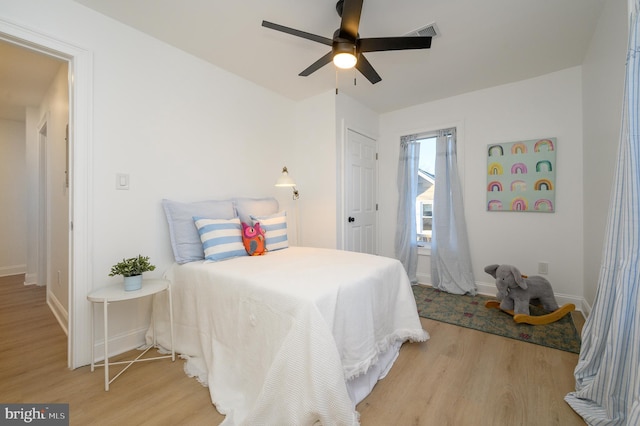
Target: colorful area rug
(470, 312)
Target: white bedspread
(278, 335)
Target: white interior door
(361, 193)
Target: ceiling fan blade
(393, 43)
(317, 64)
(297, 33)
(367, 70)
(351, 11)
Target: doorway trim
(43, 208)
(80, 180)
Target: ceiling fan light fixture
(347, 47)
(344, 54)
(345, 60)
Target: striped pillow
(275, 227)
(221, 238)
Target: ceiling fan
(347, 47)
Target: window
(426, 186)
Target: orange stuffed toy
(253, 239)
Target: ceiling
(25, 77)
(481, 44)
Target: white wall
(180, 127)
(317, 152)
(313, 168)
(13, 224)
(602, 91)
(55, 110)
(32, 165)
(547, 106)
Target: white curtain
(608, 371)
(406, 243)
(451, 269)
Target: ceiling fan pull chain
(336, 81)
(355, 74)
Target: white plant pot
(133, 283)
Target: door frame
(43, 207)
(80, 180)
(341, 213)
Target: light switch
(122, 181)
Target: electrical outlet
(543, 268)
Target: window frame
(423, 238)
(425, 249)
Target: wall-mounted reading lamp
(285, 181)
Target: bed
(296, 336)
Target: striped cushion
(221, 238)
(275, 227)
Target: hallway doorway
(34, 113)
(73, 153)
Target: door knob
(351, 219)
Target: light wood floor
(459, 377)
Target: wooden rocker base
(535, 319)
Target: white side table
(117, 293)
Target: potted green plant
(131, 269)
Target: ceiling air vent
(430, 30)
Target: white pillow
(245, 207)
(221, 238)
(185, 240)
(275, 227)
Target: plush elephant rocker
(516, 291)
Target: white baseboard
(579, 302)
(585, 308)
(6, 271)
(30, 279)
(483, 288)
(487, 289)
(61, 314)
(424, 279)
(120, 344)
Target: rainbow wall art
(521, 176)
